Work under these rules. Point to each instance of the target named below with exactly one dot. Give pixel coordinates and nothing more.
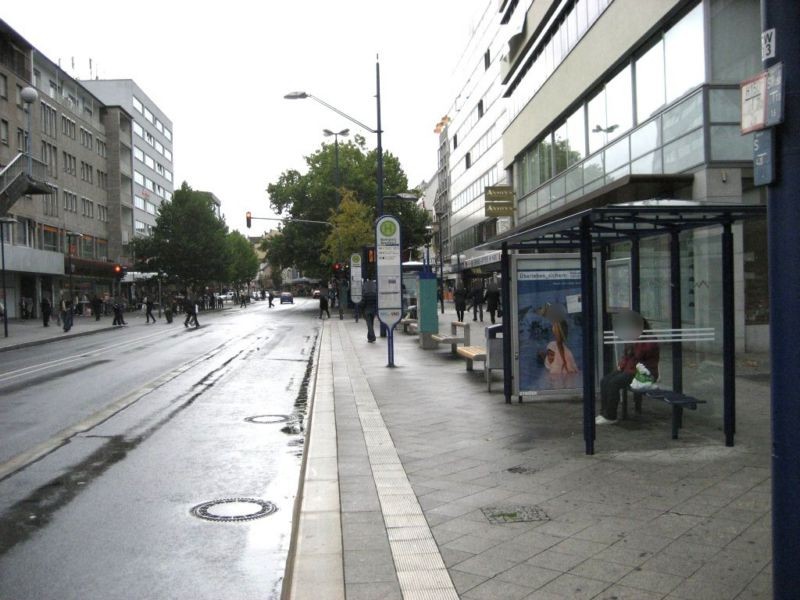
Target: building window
(102, 150)
(68, 127)
(50, 158)
(151, 208)
(684, 47)
(87, 140)
(49, 120)
(70, 202)
(87, 172)
(148, 115)
(102, 213)
(3, 87)
(50, 238)
(4, 132)
(611, 111)
(168, 155)
(138, 154)
(139, 202)
(168, 135)
(480, 108)
(50, 204)
(487, 60)
(87, 208)
(70, 163)
(140, 227)
(22, 140)
(102, 180)
(467, 160)
(102, 248)
(137, 104)
(138, 178)
(455, 141)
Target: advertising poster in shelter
(549, 328)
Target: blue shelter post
(505, 270)
(676, 317)
(728, 337)
(784, 285)
(587, 308)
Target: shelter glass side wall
(701, 306)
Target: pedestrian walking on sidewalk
(46, 308)
(97, 307)
(119, 319)
(66, 314)
(271, 297)
(190, 309)
(323, 304)
(492, 300)
(148, 304)
(369, 304)
(242, 301)
(460, 300)
(477, 300)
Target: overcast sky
(219, 71)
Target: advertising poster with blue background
(550, 335)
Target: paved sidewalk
(435, 470)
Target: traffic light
(119, 272)
(249, 218)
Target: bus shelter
(593, 231)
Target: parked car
(287, 298)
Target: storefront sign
(355, 278)
(389, 270)
(499, 201)
(774, 95)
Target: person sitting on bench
(613, 383)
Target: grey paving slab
(369, 566)
(495, 588)
(373, 591)
(428, 447)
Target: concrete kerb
(296, 583)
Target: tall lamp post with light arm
(378, 131)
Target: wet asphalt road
(108, 441)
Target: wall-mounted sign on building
(499, 201)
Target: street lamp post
(70, 235)
(441, 260)
(378, 131)
(29, 95)
(3, 222)
(336, 134)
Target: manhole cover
(267, 419)
(234, 509)
(514, 514)
(522, 470)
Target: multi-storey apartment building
(70, 201)
(622, 100)
(152, 147)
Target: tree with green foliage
(351, 229)
(242, 260)
(313, 196)
(189, 242)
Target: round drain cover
(266, 419)
(234, 509)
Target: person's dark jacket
(492, 299)
(477, 296)
(646, 353)
(460, 298)
(369, 301)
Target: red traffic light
(249, 217)
(336, 266)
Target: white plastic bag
(643, 379)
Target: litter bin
(494, 351)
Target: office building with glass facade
(615, 101)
